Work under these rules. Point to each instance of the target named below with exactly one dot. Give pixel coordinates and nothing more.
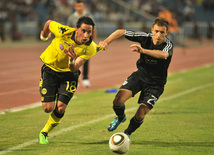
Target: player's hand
(70, 52)
(103, 44)
(137, 48)
(45, 38)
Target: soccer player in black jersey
(155, 56)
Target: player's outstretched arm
(154, 53)
(115, 35)
(46, 33)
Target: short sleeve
(168, 47)
(58, 29)
(136, 36)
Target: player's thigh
(130, 87)
(68, 86)
(133, 83)
(150, 95)
(48, 85)
(122, 96)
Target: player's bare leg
(142, 111)
(48, 106)
(138, 119)
(54, 119)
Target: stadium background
(22, 20)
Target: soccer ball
(119, 143)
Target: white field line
(33, 105)
(173, 81)
(26, 144)
(25, 107)
(188, 91)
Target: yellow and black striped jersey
(54, 55)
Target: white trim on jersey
(129, 33)
(137, 34)
(168, 45)
(144, 34)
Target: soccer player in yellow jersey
(62, 59)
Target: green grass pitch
(182, 122)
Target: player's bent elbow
(121, 32)
(165, 55)
(49, 21)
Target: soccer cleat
(43, 138)
(115, 123)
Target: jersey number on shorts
(71, 87)
(152, 101)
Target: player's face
(159, 34)
(83, 33)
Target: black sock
(57, 114)
(119, 111)
(133, 125)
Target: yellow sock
(52, 122)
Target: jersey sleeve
(136, 36)
(58, 29)
(91, 50)
(168, 47)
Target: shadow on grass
(98, 142)
(174, 144)
(91, 143)
(170, 112)
(150, 143)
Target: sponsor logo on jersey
(84, 51)
(98, 49)
(61, 47)
(62, 30)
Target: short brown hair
(161, 22)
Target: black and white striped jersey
(153, 70)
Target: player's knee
(118, 101)
(121, 97)
(61, 110)
(61, 107)
(142, 111)
(48, 107)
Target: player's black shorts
(150, 92)
(57, 85)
